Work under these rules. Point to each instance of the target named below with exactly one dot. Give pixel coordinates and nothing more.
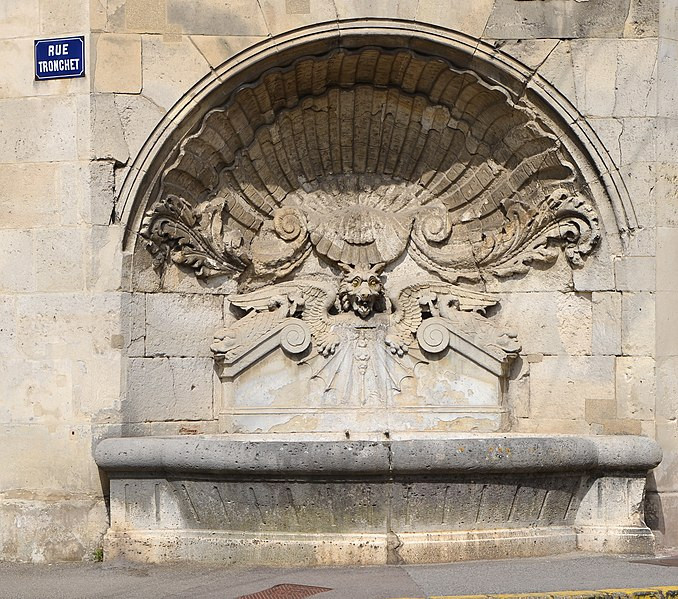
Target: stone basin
(299, 500)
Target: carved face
(361, 288)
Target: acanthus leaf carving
(193, 237)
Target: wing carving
(267, 307)
(432, 297)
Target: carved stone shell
(368, 151)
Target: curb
(641, 593)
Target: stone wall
(94, 343)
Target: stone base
(278, 549)
(215, 499)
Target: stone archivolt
(362, 157)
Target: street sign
(60, 58)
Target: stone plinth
(292, 502)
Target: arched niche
(423, 163)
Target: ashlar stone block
(181, 325)
(606, 323)
(636, 389)
(170, 68)
(638, 324)
(168, 389)
(217, 17)
(561, 385)
(457, 15)
(118, 63)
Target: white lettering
(50, 50)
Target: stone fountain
(356, 204)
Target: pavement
(546, 576)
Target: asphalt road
(131, 581)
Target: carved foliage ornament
(432, 163)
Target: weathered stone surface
(558, 19)
(638, 324)
(636, 390)
(168, 389)
(606, 323)
(214, 17)
(519, 482)
(170, 68)
(181, 325)
(560, 385)
(118, 67)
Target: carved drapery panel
(364, 159)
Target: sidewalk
(131, 581)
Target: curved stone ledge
(457, 454)
(290, 502)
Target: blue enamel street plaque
(60, 58)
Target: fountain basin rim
(461, 454)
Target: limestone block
(456, 15)
(636, 80)
(639, 177)
(668, 19)
(64, 325)
(283, 15)
(549, 323)
(667, 61)
(558, 70)
(560, 426)
(216, 49)
(108, 140)
(667, 258)
(138, 117)
(667, 324)
(142, 16)
(98, 203)
(64, 16)
(8, 347)
(104, 266)
(667, 389)
(133, 320)
(638, 324)
(217, 17)
(19, 18)
(532, 53)
(558, 19)
(560, 385)
(168, 389)
(59, 259)
(181, 325)
(637, 141)
(48, 458)
(600, 410)
(39, 129)
(666, 194)
(404, 9)
(118, 63)
(48, 530)
(635, 273)
(170, 69)
(606, 323)
(37, 391)
(666, 139)
(96, 388)
(636, 389)
(28, 195)
(98, 16)
(595, 71)
(610, 131)
(598, 272)
(643, 19)
(16, 248)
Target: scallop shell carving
(363, 155)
